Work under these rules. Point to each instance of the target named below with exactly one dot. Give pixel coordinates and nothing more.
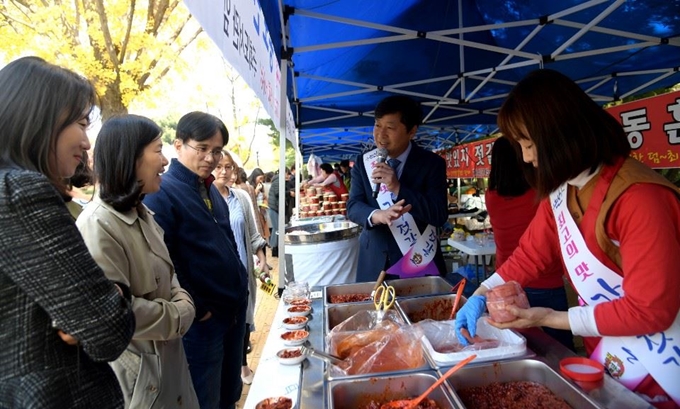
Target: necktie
(394, 164)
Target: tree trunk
(112, 101)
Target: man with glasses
(195, 220)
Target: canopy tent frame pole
(283, 98)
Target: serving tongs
(309, 351)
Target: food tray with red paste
(372, 392)
(533, 383)
(348, 293)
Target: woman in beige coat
(126, 242)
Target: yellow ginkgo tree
(123, 46)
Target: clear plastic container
(502, 296)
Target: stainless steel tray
(337, 313)
(522, 370)
(357, 393)
(410, 287)
(436, 307)
(321, 232)
(344, 289)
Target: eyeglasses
(225, 167)
(203, 151)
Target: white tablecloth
(271, 378)
(321, 264)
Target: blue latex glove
(468, 315)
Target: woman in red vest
(512, 204)
(330, 180)
(612, 222)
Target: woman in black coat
(61, 319)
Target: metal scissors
(384, 298)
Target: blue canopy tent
(459, 58)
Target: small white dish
(295, 337)
(295, 322)
(300, 301)
(290, 356)
(299, 310)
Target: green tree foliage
(671, 174)
(123, 46)
(169, 126)
(274, 136)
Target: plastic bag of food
(369, 344)
(502, 296)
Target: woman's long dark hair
(571, 133)
(120, 144)
(254, 175)
(507, 169)
(38, 100)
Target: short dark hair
(411, 115)
(570, 131)
(344, 163)
(507, 169)
(327, 167)
(38, 100)
(241, 176)
(120, 143)
(200, 126)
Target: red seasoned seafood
(345, 298)
(299, 308)
(511, 395)
(294, 335)
(290, 353)
(478, 342)
(295, 320)
(281, 402)
(300, 301)
(505, 295)
(424, 404)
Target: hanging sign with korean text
(653, 129)
(651, 124)
(471, 160)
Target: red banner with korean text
(653, 129)
(471, 160)
(652, 125)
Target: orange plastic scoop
(412, 403)
(459, 293)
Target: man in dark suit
(412, 192)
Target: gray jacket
(49, 281)
(254, 242)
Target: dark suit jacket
(423, 185)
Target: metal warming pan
(321, 232)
